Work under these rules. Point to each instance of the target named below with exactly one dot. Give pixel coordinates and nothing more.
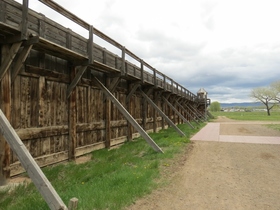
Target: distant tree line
(269, 96)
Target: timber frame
(66, 96)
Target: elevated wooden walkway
(66, 96)
(20, 24)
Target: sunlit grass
(261, 116)
(112, 179)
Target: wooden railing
(167, 82)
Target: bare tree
(266, 95)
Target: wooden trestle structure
(66, 96)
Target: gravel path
(223, 175)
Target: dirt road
(223, 175)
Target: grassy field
(262, 116)
(112, 179)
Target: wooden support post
(107, 119)
(90, 45)
(162, 114)
(6, 63)
(155, 77)
(24, 20)
(131, 89)
(72, 120)
(73, 204)
(2, 12)
(5, 105)
(35, 173)
(155, 114)
(144, 113)
(126, 114)
(163, 109)
(178, 113)
(123, 70)
(76, 80)
(142, 71)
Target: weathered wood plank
(41, 182)
(5, 105)
(9, 59)
(162, 114)
(72, 121)
(19, 62)
(75, 80)
(127, 116)
(177, 112)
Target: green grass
(112, 179)
(261, 116)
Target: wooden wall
(40, 111)
(37, 105)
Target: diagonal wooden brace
(126, 114)
(177, 112)
(162, 113)
(35, 173)
(20, 61)
(9, 59)
(76, 80)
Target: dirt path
(223, 175)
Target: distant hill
(245, 104)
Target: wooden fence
(49, 91)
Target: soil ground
(222, 175)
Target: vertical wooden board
(90, 102)
(58, 144)
(78, 103)
(58, 108)
(86, 139)
(16, 101)
(79, 140)
(54, 103)
(52, 145)
(66, 142)
(93, 136)
(63, 108)
(41, 102)
(24, 102)
(32, 58)
(100, 103)
(47, 107)
(34, 99)
(45, 146)
(64, 104)
(34, 147)
(88, 107)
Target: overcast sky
(227, 47)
